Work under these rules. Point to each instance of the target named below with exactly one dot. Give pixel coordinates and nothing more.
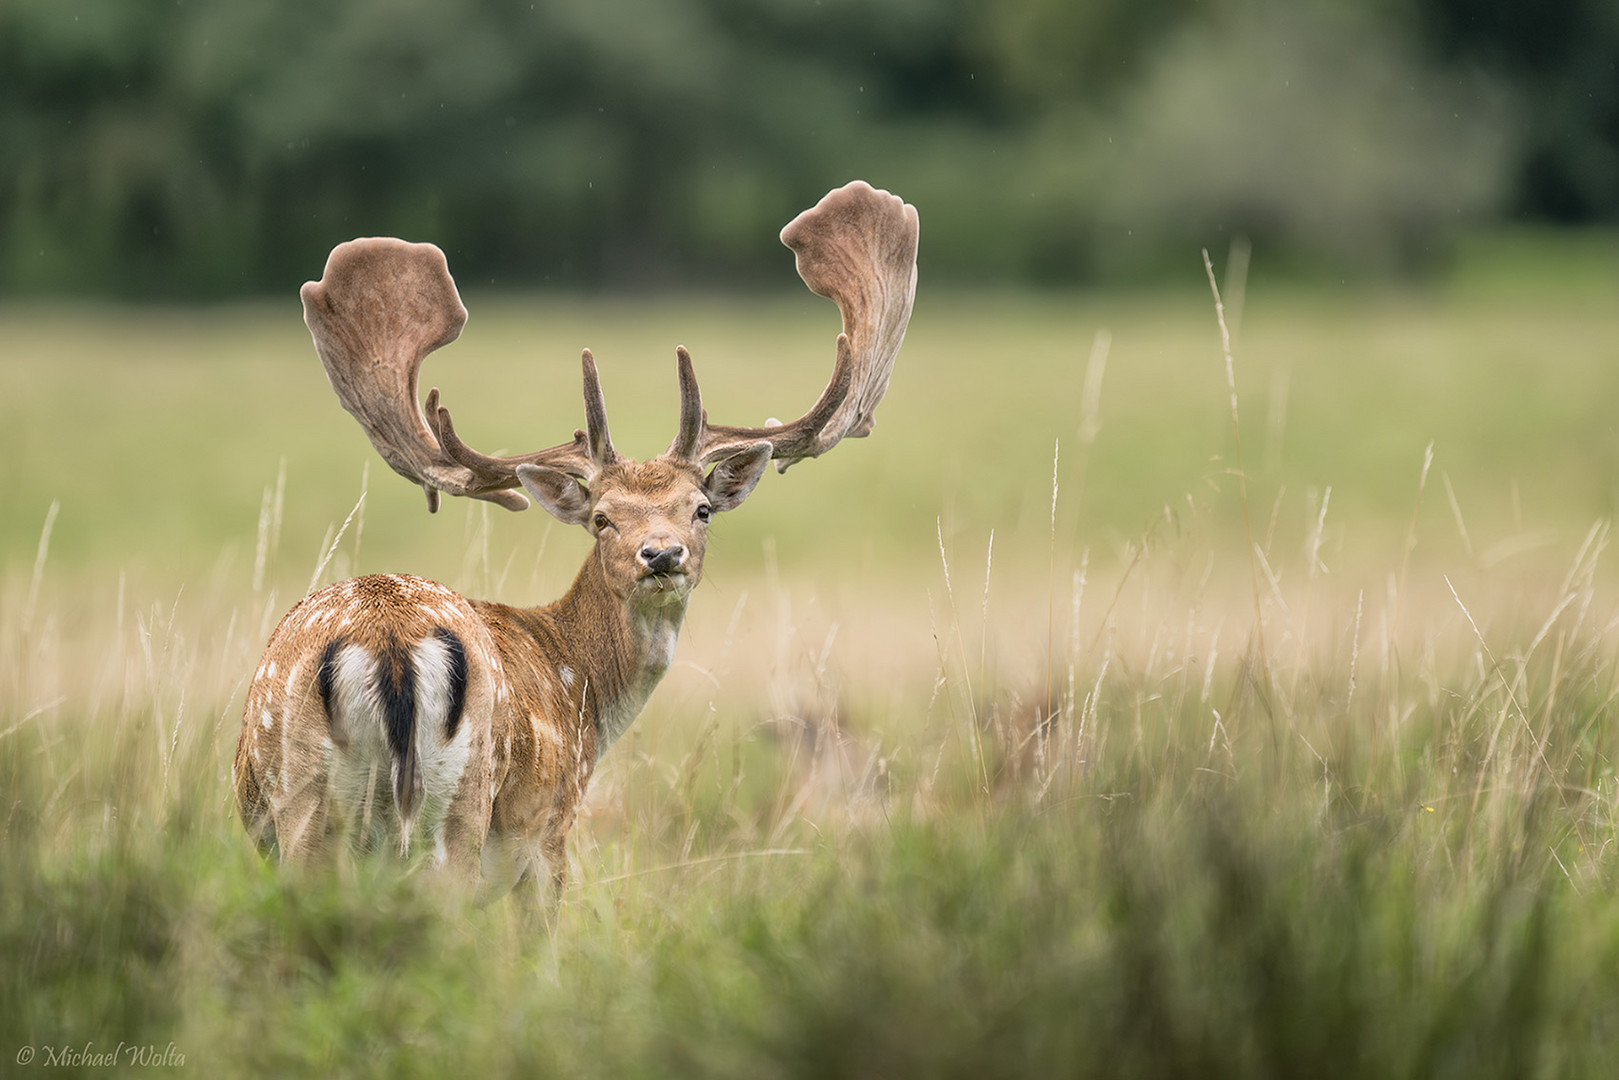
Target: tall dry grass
(1156, 805)
(1091, 826)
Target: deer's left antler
(857, 246)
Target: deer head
(650, 519)
(382, 305)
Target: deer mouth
(663, 580)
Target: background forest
(192, 149)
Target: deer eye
(602, 522)
(704, 512)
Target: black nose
(663, 560)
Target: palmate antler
(380, 307)
(383, 304)
(857, 247)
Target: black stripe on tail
(457, 656)
(396, 691)
(324, 674)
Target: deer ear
(566, 498)
(734, 478)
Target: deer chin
(671, 587)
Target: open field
(957, 773)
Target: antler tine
(600, 443)
(380, 307)
(589, 452)
(857, 247)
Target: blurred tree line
(192, 148)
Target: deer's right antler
(379, 308)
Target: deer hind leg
(525, 865)
(282, 794)
(305, 831)
(554, 846)
(512, 864)
(459, 845)
(251, 804)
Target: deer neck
(618, 649)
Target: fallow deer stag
(389, 710)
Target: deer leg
(461, 849)
(554, 846)
(303, 824)
(506, 862)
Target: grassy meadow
(1063, 725)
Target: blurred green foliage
(189, 149)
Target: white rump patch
(443, 762)
(354, 690)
